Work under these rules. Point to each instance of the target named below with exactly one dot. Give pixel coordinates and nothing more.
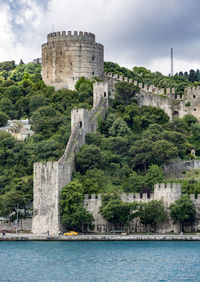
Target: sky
(133, 32)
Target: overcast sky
(133, 32)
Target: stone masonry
(166, 99)
(67, 57)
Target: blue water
(99, 261)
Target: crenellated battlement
(167, 185)
(143, 87)
(193, 89)
(132, 197)
(71, 36)
(168, 193)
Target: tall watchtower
(67, 57)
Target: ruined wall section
(67, 57)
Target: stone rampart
(167, 193)
(23, 225)
(165, 98)
(51, 177)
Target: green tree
(182, 211)
(163, 151)
(177, 139)
(153, 132)
(142, 153)
(74, 215)
(134, 183)
(119, 128)
(13, 93)
(7, 65)
(124, 93)
(36, 101)
(3, 118)
(89, 157)
(152, 213)
(92, 181)
(119, 213)
(154, 175)
(7, 107)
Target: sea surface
(100, 261)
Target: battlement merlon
(71, 36)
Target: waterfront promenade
(138, 237)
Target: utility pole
(172, 62)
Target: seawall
(138, 237)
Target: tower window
(195, 109)
(104, 94)
(194, 96)
(92, 73)
(60, 53)
(71, 63)
(80, 124)
(93, 58)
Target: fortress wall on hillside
(50, 177)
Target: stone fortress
(66, 58)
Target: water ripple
(99, 261)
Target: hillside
(126, 153)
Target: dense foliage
(120, 213)
(183, 211)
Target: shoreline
(138, 237)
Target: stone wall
(23, 225)
(164, 98)
(174, 168)
(168, 193)
(67, 57)
(50, 177)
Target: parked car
(71, 233)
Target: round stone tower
(67, 57)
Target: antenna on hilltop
(172, 62)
